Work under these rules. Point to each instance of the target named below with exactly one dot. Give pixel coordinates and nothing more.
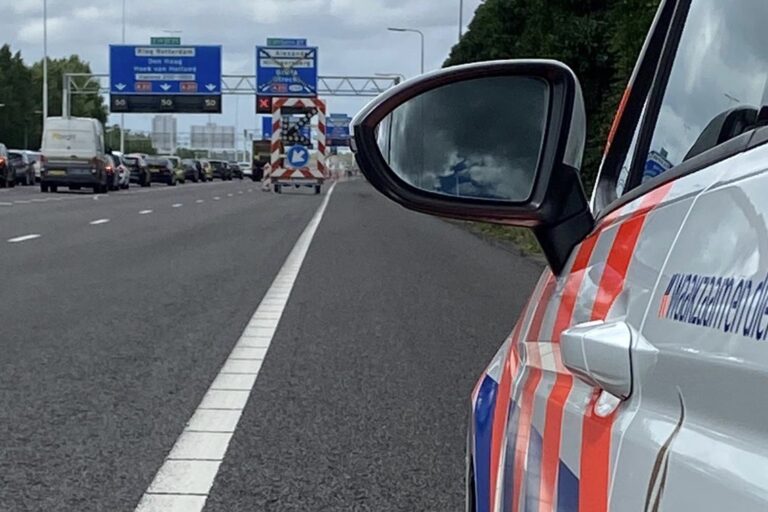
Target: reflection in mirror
(478, 138)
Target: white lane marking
(250, 190)
(42, 200)
(99, 221)
(145, 212)
(6, 204)
(176, 205)
(229, 195)
(23, 238)
(216, 198)
(239, 191)
(199, 201)
(190, 468)
(22, 202)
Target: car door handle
(599, 354)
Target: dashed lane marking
(176, 205)
(23, 238)
(145, 212)
(187, 475)
(99, 221)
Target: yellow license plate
(57, 173)
(154, 170)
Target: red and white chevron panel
(276, 159)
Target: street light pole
(461, 18)
(122, 116)
(421, 34)
(45, 60)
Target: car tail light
(2, 160)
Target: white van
(75, 154)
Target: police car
(634, 378)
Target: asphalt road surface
(117, 313)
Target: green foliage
(134, 142)
(599, 39)
(21, 90)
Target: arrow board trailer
(291, 163)
(165, 79)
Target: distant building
(164, 133)
(212, 137)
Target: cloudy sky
(351, 36)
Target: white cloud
(351, 35)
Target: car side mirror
(497, 142)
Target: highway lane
(361, 403)
(363, 399)
(112, 333)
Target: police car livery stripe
(596, 431)
(553, 421)
(529, 390)
(501, 411)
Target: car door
(674, 267)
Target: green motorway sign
(165, 41)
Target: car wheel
(318, 188)
(278, 188)
(43, 187)
(54, 188)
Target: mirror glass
(478, 138)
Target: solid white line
(6, 204)
(176, 205)
(99, 221)
(22, 238)
(190, 468)
(22, 202)
(145, 212)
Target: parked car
(139, 169)
(38, 161)
(7, 171)
(207, 168)
(237, 172)
(25, 169)
(193, 170)
(121, 171)
(221, 170)
(162, 170)
(75, 154)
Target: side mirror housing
(498, 142)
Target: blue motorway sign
(297, 157)
(266, 128)
(165, 69)
(288, 72)
(337, 129)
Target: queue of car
(74, 156)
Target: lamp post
(122, 116)
(45, 60)
(415, 31)
(461, 18)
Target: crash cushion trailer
(282, 172)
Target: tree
(135, 142)
(598, 39)
(17, 115)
